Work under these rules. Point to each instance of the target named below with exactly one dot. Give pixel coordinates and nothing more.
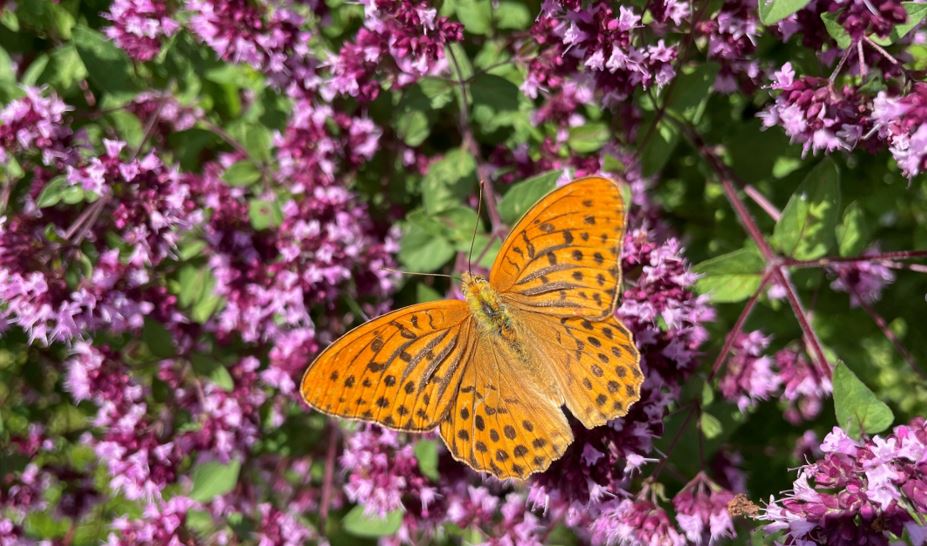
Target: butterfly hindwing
(500, 423)
(563, 256)
(596, 365)
(400, 370)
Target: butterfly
(492, 371)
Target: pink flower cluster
(140, 26)
(859, 492)
(36, 123)
(603, 43)
(400, 42)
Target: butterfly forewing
(400, 370)
(501, 423)
(564, 255)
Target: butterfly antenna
(401, 272)
(479, 211)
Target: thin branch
(773, 261)
(498, 227)
(738, 326)
(831, 260)
(762, 202)
(676, 437)
(888, 333)
(329, 477)
(811, 336)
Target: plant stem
(489, 194)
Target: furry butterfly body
(492, 372)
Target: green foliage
(858, 409)
(359, 524)
(806, 229)
(211, 479)
(773, 11)
(731, 277)
(519, 198)
(426, 453)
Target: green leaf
(688, 100)
(588, 138)
(212, 479)
(448, 181)
(213, 371)
(413, 124)
(423, 252)
(194, 289)
(108, 67)
(512, 15)
(359, 524)
(52, 192)
(476, 16)
(242, 173)
(711, 426)
(43, 525)
(264, 214)
(495, 102)
(158, 339)
(857, 408)
(731, 277)
(426, 453)
(773, 11)
(129, 127)
(207, 306)
(424, 293)
(916, 13)
(64, 69)
(439, 92)
(519, 198)
(836, 30)
(852, 233)
(806, 228)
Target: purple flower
(701, 511)
(635, 522)
(35, 123)
(162, 523)
(749, 376)
(604, 44)
(139, 26)
(381, 470)
(860, 492)
(805, 388)
(732, 33)
(862, 280)
(902, 123)
(816, 115)
(279, 528)
(401, 41)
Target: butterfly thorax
(486, 307)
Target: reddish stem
(328, 479)
(498, 227)
(829, 260)
(887, 332)
(738, 326)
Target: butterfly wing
(595, 363)
(400, 370)
(563, 256)
(501, 421)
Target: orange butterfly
(492, 372)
